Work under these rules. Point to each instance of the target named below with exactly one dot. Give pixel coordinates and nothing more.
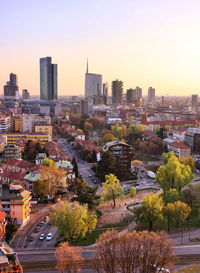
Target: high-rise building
(117, 91)
(130, 95)
(11, 90)
(25, 94)
(151, 95)
(48, 79)
(138, 93)
(194, 100)
(93, 84)
(84, 107)
(105, 89)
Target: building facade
(12, 138)
(5, 124)
(48, 79)
(151, 95)
(122, 153)
(117, 92)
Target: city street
(84, 168)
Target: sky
(141, 42)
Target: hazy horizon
(143, 43)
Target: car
(41, 236)
(90, 175)
(41, 224)
(37, 229)
(30, 238)
(45, 218)
(49, 237)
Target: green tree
(108, 137)
(132, 191)
(171, 196)
(167, 156)
(181, 212)
(111, 189)
(73, 220)
(117, 131)
(173, 175)
(188, 161)
(150, 211)
(47, 162)
(106, 165)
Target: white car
(49, 237)
(42, 237)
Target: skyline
(143, 44)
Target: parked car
(37, 229)
(42, 237)
(49, 237)
(41, 224)
(30, 238)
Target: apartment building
(179, 149)
(12, 138)
(15, 202)
(5, 124)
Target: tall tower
(11, 92)
(93, 84)
(117, 91)
(151, 95)
(48, 79)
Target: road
(84, 168)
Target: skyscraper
(25, 94)
(105, 89)
(11, 90)
(194, 100)
(48, 79)
(117, 91)
(130, 95)
(93, 84)
(151, 95)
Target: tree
(169, 213)
(75, 167)
(111, 189)
(68, 258)
(41, 188)
(167, 156)
(181, 212)
(53, 178)
(132, 192)
(108, 137)
(171, 196)
(86, 194)
(188, 161)
(73, 220)
(173, 175)
(117, 131)
(134, 252)
(150, 211)
(136, 164)
(47, 162)
(106, 165)
(94, 156)
(74, 119)
(162, 132)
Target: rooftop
(179, 145)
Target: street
(84, 168)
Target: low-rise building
(12, 138)
(43, 128)
(5, 124)
(15, 202)
(179, 149)
(12, 151)
(179, 134)
(189, 136)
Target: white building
(179, 134)
(5, 124)
(28, 124)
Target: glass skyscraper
(48, 79)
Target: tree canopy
(73, 220)
(106, 165)
(111, 189)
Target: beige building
(179, 149)
(15, 202)
(46, 129)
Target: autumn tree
(134, 252)
(173, 175)
(181, 212)
(41, 188)
(150, 210)
(171, 196)
(117, 131)
(74, 119)
(132, 191)
(169, 213)
(68, 258)
(108, 137)
(75, 167)
(73, 220)
(188, 161)
(111, 189)
(53, 178)
(106, 165)
(136, 165)
(47, 162)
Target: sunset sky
(141, 42)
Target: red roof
(179, 145)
